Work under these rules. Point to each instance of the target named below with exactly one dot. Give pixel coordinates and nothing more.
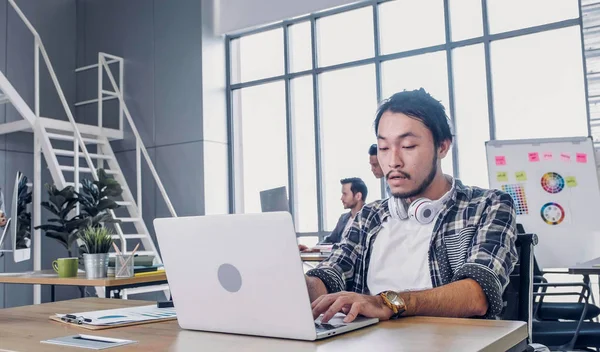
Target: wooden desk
(586, 269)
(49, 277)
(22, 329)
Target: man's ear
(358, 196)
(444, 148)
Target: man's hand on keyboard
(352, 304)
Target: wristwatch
(394, 302)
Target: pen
(74, 319)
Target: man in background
(376, 168)
(354, 196)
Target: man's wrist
(408, 299)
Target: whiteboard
(554, 184)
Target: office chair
(518, 295)
(554, 311)
(565, 325)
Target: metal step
(86, 169)
(62, 152)
(131, 236)
(65, 137)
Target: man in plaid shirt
(436, 247)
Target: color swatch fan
(554, 187)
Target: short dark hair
(373, 150)
(357, 185)
(422, 106)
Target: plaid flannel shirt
(473, 237)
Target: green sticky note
(502, 176)
(521, 176)
(571, 181)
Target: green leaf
(73, 237)
(106, 204)
(77, 224)
(56, 228)
(61, 237)
(65, 211)
(58, 200)
(51, 208)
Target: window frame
(235, 178)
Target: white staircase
(65, 144)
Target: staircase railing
(102, 65)
(43, 143)
(140, 148)
(78, 139)
(40, 49)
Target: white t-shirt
(349, 223)
(399, 259)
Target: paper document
(88, 341)
(120, 316)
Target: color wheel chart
(552, 213)
(553, 182)
(517, 192)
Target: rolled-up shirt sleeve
(337, 272)
(492, 254)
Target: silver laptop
(241, 274)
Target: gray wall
(161, 43)
(55, 22)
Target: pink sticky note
(581, 157)
(534, 157)
(500, 160)
(547, 156)
(565, 157)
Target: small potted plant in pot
(96, 242)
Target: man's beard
(424, 185)
(350, 206)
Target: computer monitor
(20, 224)
(275, 199)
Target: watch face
(392, 296)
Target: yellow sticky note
(521, 176)
(501, 176)
(571, 181)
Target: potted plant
(63, 227)
(95, 205)
(95, 197)
(96, 242)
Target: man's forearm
(460, 299)
(316, 288)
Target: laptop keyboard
(322, 327)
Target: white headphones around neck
(422, 210)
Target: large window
(303, 93)
(348, 100)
